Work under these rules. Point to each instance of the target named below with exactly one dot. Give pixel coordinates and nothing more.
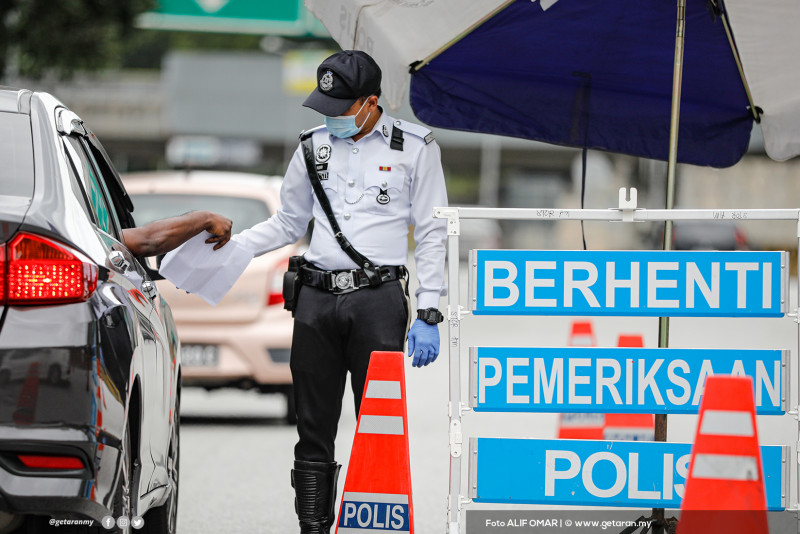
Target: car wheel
(54, 375)
(122, 498)
(164, 519)
(10, 522)
(291, 408)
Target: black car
(89, 355)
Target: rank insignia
(387, 169)
(385, 131)
(383, 197)
(323, 175)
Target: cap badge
(326, 82)
(323, 153)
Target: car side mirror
(151, 272)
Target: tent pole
(663, 324)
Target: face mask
(345, 126)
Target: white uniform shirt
(354, 176)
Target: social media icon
(123, 522)
(108, 522)
(137, 522)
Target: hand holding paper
(197, 268)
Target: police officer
(380, 175)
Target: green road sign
(270, 17)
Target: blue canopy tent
(592, 74)
(589, 73)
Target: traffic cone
(377, 490)
(630, 340)
(581, 425)
(582, 334)
(629, 426)
(725, 488)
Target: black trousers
(334, 334)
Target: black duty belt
(347, 280)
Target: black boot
(314, 484)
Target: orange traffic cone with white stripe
(582, 334)
(629, 426)
(377, 490)
(725, 489)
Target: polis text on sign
(597, 473)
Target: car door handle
(118, 260)
(149, 289)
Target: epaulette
(305, 134)
(415, 129)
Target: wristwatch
(430, 315)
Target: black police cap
(342, 79)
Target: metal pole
(663, 322)
(796, 407)
(454, 344)
(489, 181)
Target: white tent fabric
(398, 33)
(767, 35)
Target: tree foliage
(64, 36)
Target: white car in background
(244, 341)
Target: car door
(163, 365)
(127, 281)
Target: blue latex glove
(423, 343)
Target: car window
(16, 155)
(92, 185)
(111, 181)
(243, 211)
(79, 192)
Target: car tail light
(43, 271)
(50, 462)
(3, 273)
(275, 289)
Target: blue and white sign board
(617, 380)
(373, 512)
(597, 473)
(627, 283)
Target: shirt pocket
(383, 192)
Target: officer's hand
(220, 228)
(423, 343)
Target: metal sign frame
(627, 211)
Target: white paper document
(197, 268)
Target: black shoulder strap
(397, 139)
(362, 261)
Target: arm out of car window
(159, 237)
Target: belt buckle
(344, 280)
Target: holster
(292, 283)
